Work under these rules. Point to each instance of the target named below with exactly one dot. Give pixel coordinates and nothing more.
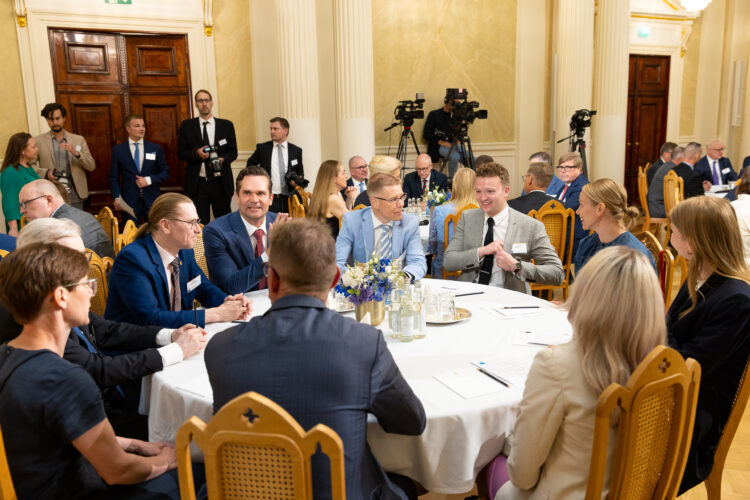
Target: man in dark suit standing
(535, 182)
(665, 155)
(279, 158)
(714, 167)
(424, 179)
(319, 366)
(236, 243)
(137, 169)
(204, 184)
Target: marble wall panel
(690, 81)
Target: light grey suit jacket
(461, 254)
(78, 166)
(92, 233)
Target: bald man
(714, 168)
(41, 198)
(424, 179)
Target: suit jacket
(78, 166)
(719, 341)
(350, 183)
(7, 242)
(652, 170)
(122, 172)
(571, 201)
(321, 367)
(362, 198)
(726, 171)
(191, 137)
(655, 195)
(461, 254)
(413, 184)
(551, 443)
(94, 237)
(528, 202)
(229, 254)
(692, 181)
(356, 240)
(138, 290)
(264, 151)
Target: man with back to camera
(715, 168)
(511, 240)
(236, 244)
(64, 156)
(665, 155)
(693, 184)
(423, 179)
(318, 365)
(208, 187)
(535, 182)
(655, 196)
(280, 158)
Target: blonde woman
(326, 203)
(550, 447)
(463, 194)
(709, 319)
(603, 208)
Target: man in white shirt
(715, 168)
(358, 171)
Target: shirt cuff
(148, 180)
(170, 354)
(164, 336)
(264, 257)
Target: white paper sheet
(469, 382)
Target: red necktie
(424, 185)
(562, 195)
(258, 235)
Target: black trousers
(211, 195)
(280, 204)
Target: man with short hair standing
(319, 366)
(64, 156)
(208, 186)
(423, 179)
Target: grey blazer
(461, 254)
(92, 233)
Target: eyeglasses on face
(201, 101)
(92, 284)
(192, 223)
(361, 167)
(398, 199)
(22, 205)
(563, 168)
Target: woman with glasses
(14, 174)
(58, 440)
(327, 204)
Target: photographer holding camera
(442, 129)
(208, 147)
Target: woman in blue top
(14, 174)
(462, 195)
(604, 209)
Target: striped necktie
(384, 242)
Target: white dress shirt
(170, 352)
(276, 177)
(250, 231)
(211, 131)
(141, 155)
(498, 231)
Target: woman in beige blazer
(550, 447)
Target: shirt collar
(64, 137)
(500, 217)
(210, 121)
(131, 141)
(250, 228)
(282, 144)
(166, 257)
(376, 222)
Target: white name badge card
(193, 283)
(151, 156)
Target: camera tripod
(403, 144)
(577, 143)
(467, 154)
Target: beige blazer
(550, 447)
(78, 166)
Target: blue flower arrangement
(371, 280)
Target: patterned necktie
(282, 169)
(137, 158)
(562, 195)
(715, 171)
(175, 295)
(486, 272)
(424, 185)
(259, 249)
(384, 242)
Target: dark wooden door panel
(79, 57)
(650, 117)
(653, 74)
(156, 61)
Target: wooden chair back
(656, 410)
(3, 253)
(22, 222)
(647, 167)
(305, 198)
(296, 209)
(452, 220)
(667, 269)
(360, 206)
(99, 267)
(253, 448)
(7, 492)
(657, 252)
(128, 234)
(643, 198)
(110, 225)
(200, 253)
(674, 191)
(559, 223)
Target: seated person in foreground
(511, 240)
(235, 243)
(383, 229)
(155, 279)
(603, 208)
(58, 441)
(549, 451)
(536, 180)
(334, 370)
(709, 319)
(327, 204)
(423, 179)
(380, 165)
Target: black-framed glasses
(392, 200)
(201, 101)
(22, 205)
(563, 168)
(192, 223)
(361, 167)
(92, 284)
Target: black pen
(465, 294)
(195, 313)
(518, 307)
(493, 376)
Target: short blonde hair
(47, 230)
(615, 200)
(385, 165)
(573, 156)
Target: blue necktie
(93, 350)
(361, 186)
(137, 158)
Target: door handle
(628, 144)
(637, 144)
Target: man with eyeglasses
(383, 228)
(535, 182)
(569, 168)
(41, 198)
(423, 179)
(715, 168)
(209, 189)
(357, 176)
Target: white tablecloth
(461, 436)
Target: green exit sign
(119, 2)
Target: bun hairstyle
(615, 198)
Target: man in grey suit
(655, 196)
(41, 198)
(511, 240)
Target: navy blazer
(138, 291)
(229, 253)
(191, 137)
(726, 171)
(264, 153)
(325, 368)
(122, 172)
(570, 200)
(350, 183)
(413, 184)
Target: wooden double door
(101, 77)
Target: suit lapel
(510, 234)
(366, 231)
(243, 239)
(158, 267)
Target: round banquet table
(463, 432)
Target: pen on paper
(518, 307)
(470, 293)
(493, 376)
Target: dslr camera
(297, 179)
(213, 159)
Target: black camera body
(297, 179)
(464, 111)
(452, 95)
(408, 111)
(580, 120)
(214, 162)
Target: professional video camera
(213, 159)
(580, 120)
(298, 180)
(407, 111)
(464, 112)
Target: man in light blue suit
(236, 243)
(382, 227)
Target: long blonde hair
(464, 190)
(325, 186)
(614, 335)
(615, 199)
(710, 227)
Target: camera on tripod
(581, 120)
(213, 159)
(464, 111)
(408, 111)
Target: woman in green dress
(14, 174)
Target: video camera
(407, 111)
(464, 112)
(300, 181)
(213, 159)
(580, 120)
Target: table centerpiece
(367, 284)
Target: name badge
(78, 148)
(150, 156)
(222, 142)
(294, 162)
(193, 283)
(519, 249)
(725, 171)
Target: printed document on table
(469, 382)
(542, 337)
(511, 369)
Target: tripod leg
(414, 141)
(469, 154)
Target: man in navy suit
(535, 182)
(236, 243)
(155, 279)
(714, 168)
(137, 170)
(570, 167)
(383, 228)
(357, 176)
(424, 179)
(318, 365)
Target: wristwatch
(517, 269)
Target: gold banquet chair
(128, 235)
(452, 219)
(253, 449)
(674, 192)
(305, 198)
(663, 268)
(98, 269)
(296, 209)
(110, 225)
(643, 197)
(3, 253)
(200, 253)
(559, 223)
(7, 492)
(656, 410)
